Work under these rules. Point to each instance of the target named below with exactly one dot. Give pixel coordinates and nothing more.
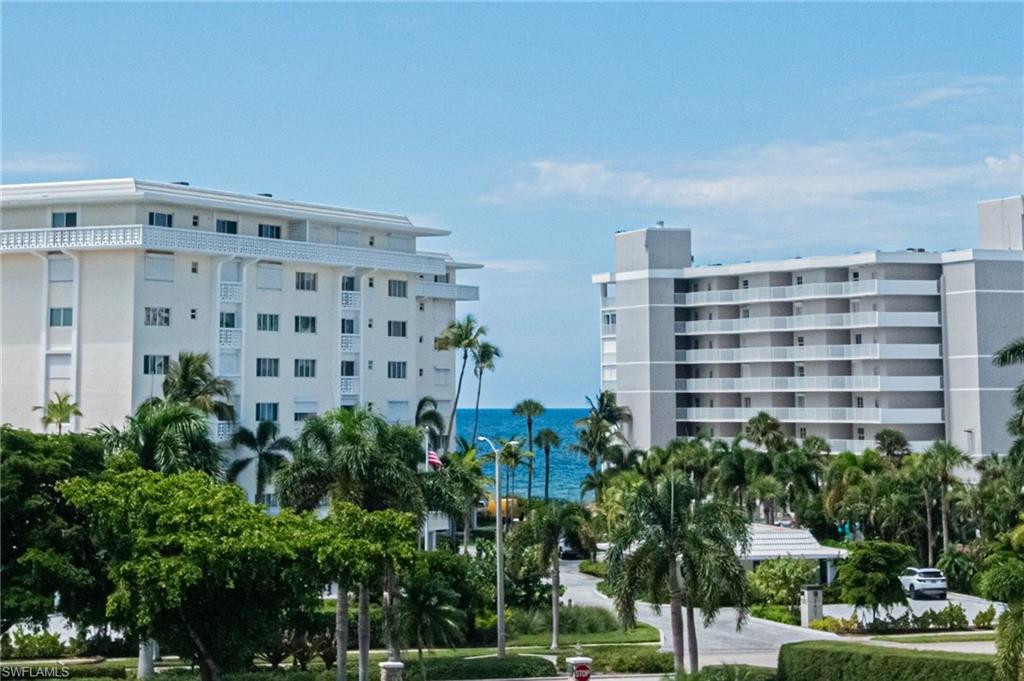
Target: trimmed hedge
(635, 659)
(816, 660)
(594, 568)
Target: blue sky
(535, 131)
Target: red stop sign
(581, 672)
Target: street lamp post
(497, 544)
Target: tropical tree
(428, 418)
(547, 440)
(529, 409)
(764, 431)
(429, 612)
(605, 406)
(467, 474)
(596, 438)
(485, 355)
(270, 451)
(1009, 355)
(768, 491)
(944, 459)
(869, 576)
(892, 443)
(464, 336)
(190, 379)
(58, 411)
(919, 471)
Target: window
(397, 288)
(192, 313)
(423, 306)
(64, 220)
(158, 267)
(801, 401)
(305, 281)
(155, 364)
(303, 415)
(744, 313)
(161, 219)
(396, 329)
(369, 282)
(746, 283)
(348, 326)
(270, 231)
(195, 267)
(348, 368)
(396, 369)
(421, 372)
(801, 370)
(860, 433)
(60, 316)
(305, 368)
(269, 276)
(305, 324)
(373, 240)
(195, 220)
(267, 366)
(348, 283)
(802, 433)
(266, 411)
(158, 316)
(369, 323)
(860, 402)
(800, 341)
(227, 227)
(799, 279)
(855, 276)
(441, 278)
(858, 339)
(61, 269)
(266, 322)
(227, 320)
(746, 403)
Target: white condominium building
(838, 347)
(303, 306)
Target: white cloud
(1006, 167)
(42, 163)
(921, 91)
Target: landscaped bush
(102, 644)
(730, 672)
(837, 625)
(594, 568)
(775, 613)
(986, 618)
(633, 659)
(438, 669)
(780, 580)
(816, 660)
(27, 645)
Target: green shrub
(775, 613)
(781, 579)
(594, 568)
(438, 669)
(816, 660)
(837, 625)
(73, 671)
(633, 659)
(729, 672)
(26, 645)
(952, 616)
(986, 618)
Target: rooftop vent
(660, 223)
(181, 182)
(269, 196)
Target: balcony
(214, 243)
(790, 353)
(349, 386)
(848, 320)
(839, 289)
(229, 338)
(608, 329)
(858, 446)
(811, 384)
(433, 289)
(221, 431)
(230, 292)
(813, 415)
(607, 301)
(350, 342)
(351, 300)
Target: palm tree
(945, 459)
(606, 407)
(768, 490)
(529, 409)
(430, 419)
(168, 437)
(464, 335)
(467, 474)
(429, 612)
(892, 443)
(669, 540)
(764, 431)
(269, 452)
(484, 357)
(919, 470)
(547, 440)
(190, 379)
(1009, 355)
(58, 411)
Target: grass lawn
(938, 638)
(643, 633)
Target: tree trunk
(467, 530)
(455, 402)
(363, 632)
(555, 588)
(945, 518)
(930, 526)
(419, 654)
(476, 410)
(529, 463)
(390, 602)
(675, 609)
(691, 639)
(209, 670)
(341, 632)
(547, 474)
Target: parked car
(923, 582)
(567, 551)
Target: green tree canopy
(869, 576)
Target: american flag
(433, 459)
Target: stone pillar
(145, 668)
(811, 605)
(391, 671)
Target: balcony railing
(200, 241)
(858, 446)
(350, 342)
(229, 338)
(839, 289)
(221, 431)
(351, 300)
(812, 414)
(608, 301)
(790, 353)
(434, 289)
(810, 384)
(608, 329)
(847, 320)
(230, 292)
(349, 386)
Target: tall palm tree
(429, 612)
(892, 443)
(485, 355)
(190, 379)
(169, 437)
(430, 419)
(269, 450)
(1010, 355)
(463, 335)
(945, 459)
(670, 541)
(529, 409)
(768, 491)
(919, 471)
(606, 407)
(764, 431)
(547, 440)
(58, 411)
(467, 474)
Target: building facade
(836, 347)
(304, 307)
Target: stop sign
(581, 672)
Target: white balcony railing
(858, 446)
(349, 386)
(839, 289)
(351, 300)
(810, 384)
(200, 241)
(434, 289)
(790, 353)
(221, 430)
(812, 415)
(608, 329)
(350, 342)
(230, 292)
(847, 320)
(608, 301)
(229, 338)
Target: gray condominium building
(837, 347)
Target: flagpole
(426, 469)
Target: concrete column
(145, 668)
(811, 605)
(391, 671)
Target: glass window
(269, 276)
(159, 267)
(305, 281)
(270, 231)
(267, 366)
(305, 368)
(266, 411)
(396, 329)
(161, 219)
(348, 283)
(396, 369)
(64, 220)
(227, 320)
(61, 269)
(158, 316)
(155, 364)
(266, 322)
(305, 324)
(348, 326)
(397, 288)
(60, 316)
(303, 415)
(348, 368)
(227, 226)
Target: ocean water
(567, 467)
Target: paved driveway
(757, 643)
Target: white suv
(923, 581)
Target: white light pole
(497, 543)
